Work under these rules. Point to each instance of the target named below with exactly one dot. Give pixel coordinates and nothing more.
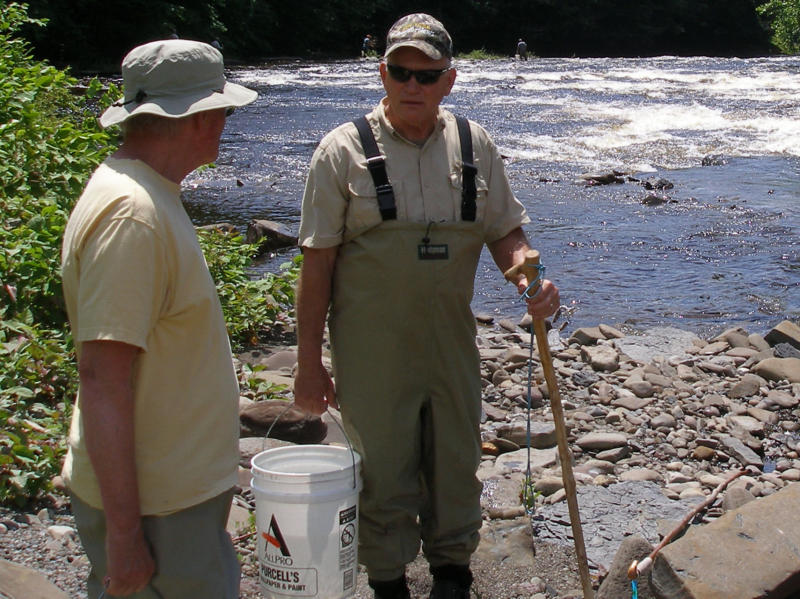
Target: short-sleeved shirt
(133, 272)
(340, 201)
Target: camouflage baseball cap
(420, 31)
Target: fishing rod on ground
(534, 273)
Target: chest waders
(408, 380)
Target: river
(722, 251)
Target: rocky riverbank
(656, 420)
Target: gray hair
(151, 124)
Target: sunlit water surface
(724, 251)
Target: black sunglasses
(423, 77)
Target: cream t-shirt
(340, 201)
(133, 271)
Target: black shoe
(449, 589)
(390, 589)
(451, 582)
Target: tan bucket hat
(174, 78)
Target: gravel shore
(660, 408)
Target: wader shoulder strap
(377, 168)
(468, 171)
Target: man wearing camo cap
(394, 219)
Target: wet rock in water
(714, 160)
(226, 228)
(654, 199)
(657, 183)
(269, 235)
(603, 178)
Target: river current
(722, 251)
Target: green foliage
(784, 19)
(50, 143)
(255, 29)
(35, 370)
(480, 54)
(528, 494)
(251, 306)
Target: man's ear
(451, 79)
(382, 70)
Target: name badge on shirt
(432, 251)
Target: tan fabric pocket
(480, 199)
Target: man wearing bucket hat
(396, 211)
(153, 451)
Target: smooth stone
(600, 441)
(779, 369)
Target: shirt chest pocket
(363, 211)
(481, 197)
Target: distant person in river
(522, 49)
(153, 447)
(397, 207)
(367, 45)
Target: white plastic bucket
(307, 520)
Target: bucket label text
(348, 539)
(299, 582)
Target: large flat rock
(20, 582)
(749, 552)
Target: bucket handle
(341, 428)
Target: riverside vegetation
(50, 143)
(250, 30)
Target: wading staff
(531, 268)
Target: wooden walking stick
(530, 268)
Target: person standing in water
(522, 49)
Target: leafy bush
(50, 143)
(784, 17)
(480, 54)
(252, 307)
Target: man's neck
(158, 154)
(417, 133)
